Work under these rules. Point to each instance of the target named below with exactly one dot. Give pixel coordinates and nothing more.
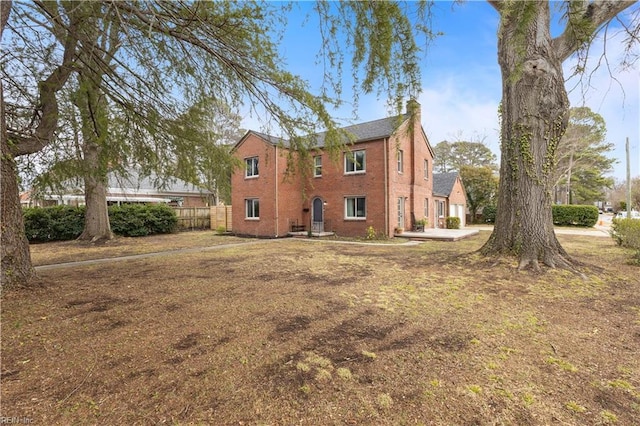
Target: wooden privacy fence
(193, 217)
(204, 217)
(221, 217)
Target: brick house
(383, 180)
(449, 196)
(132, 188)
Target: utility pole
(628, 180)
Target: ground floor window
(252, 208)
(426, 207)
(355, 207)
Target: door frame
(317, 206)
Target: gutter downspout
(386, 188)
(276, 200)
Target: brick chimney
(413, 109)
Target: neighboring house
(130, 189)
(450, 198)
(382, 180)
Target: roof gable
(273, 140)
(443, 183)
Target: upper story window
(317, 166)
(400, 161)
(355, 163)
(426, 169)
(251, 167)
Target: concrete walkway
(596, 231)
(440, 234)
(600, 230)
(146, 255)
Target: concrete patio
(439, 234)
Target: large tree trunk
(96, 221)
(534, 116)
(93, 113)
(16, 259)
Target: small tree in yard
(481, 187)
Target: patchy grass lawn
(73, 251)
(299, 332)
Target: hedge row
(60, 223)
(575, 215)
(563, 215)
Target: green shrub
(575, 215)
(489, 214)
(56, 223)
(163, 219)
(129, 220)
(138, 220)
(371, 233)
(453, 222)
(626, 232)
(59, 223)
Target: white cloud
(452, 110)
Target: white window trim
(317, 168)
(355, 197)
(246, 170)
(364, 162)
(246, 209)
(400, 161)
(425, 165)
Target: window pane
(251, 166)
(252, 208)
(351, 207)
(354, 162)
(348, 164)
(361, 207)
(359, 157)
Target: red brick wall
(294, 203)
(457, 193)
(334, 186)
(261, 187)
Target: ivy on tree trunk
(534, 116)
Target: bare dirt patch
(298, 332)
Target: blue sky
(461, 82)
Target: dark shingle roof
(371, 130)
(443, 183)
(272, 139)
